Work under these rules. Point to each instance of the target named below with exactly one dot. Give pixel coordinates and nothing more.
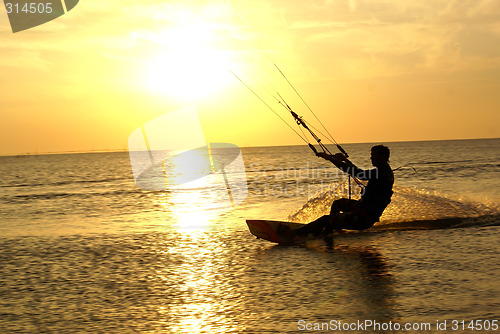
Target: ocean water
(84, 250)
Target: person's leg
(345, 214)
(338, 218)
(315, 227)
(340, 221)
(343, 205)
(357, 219)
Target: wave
(440, 223)
(443, 162)
(53, 195)
(61, 183)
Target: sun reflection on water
(195, 205)
(196, 192)
(194, 265)
(198, 298)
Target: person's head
(380, 155)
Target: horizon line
(119, 150)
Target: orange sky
(372, 71)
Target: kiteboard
(272, 230)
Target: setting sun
(190, 73)
(189, 65)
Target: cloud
(24, 59)
(329, 38)
(373, 38)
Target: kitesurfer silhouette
(359, 214)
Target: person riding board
(359, 214)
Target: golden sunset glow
(371, 71)
(197, 193)
(189, 65)
(195, 204)
(189, 74)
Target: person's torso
(378, 192)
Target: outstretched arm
(341, 162)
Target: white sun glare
(190, 66)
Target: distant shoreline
(126, 150)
